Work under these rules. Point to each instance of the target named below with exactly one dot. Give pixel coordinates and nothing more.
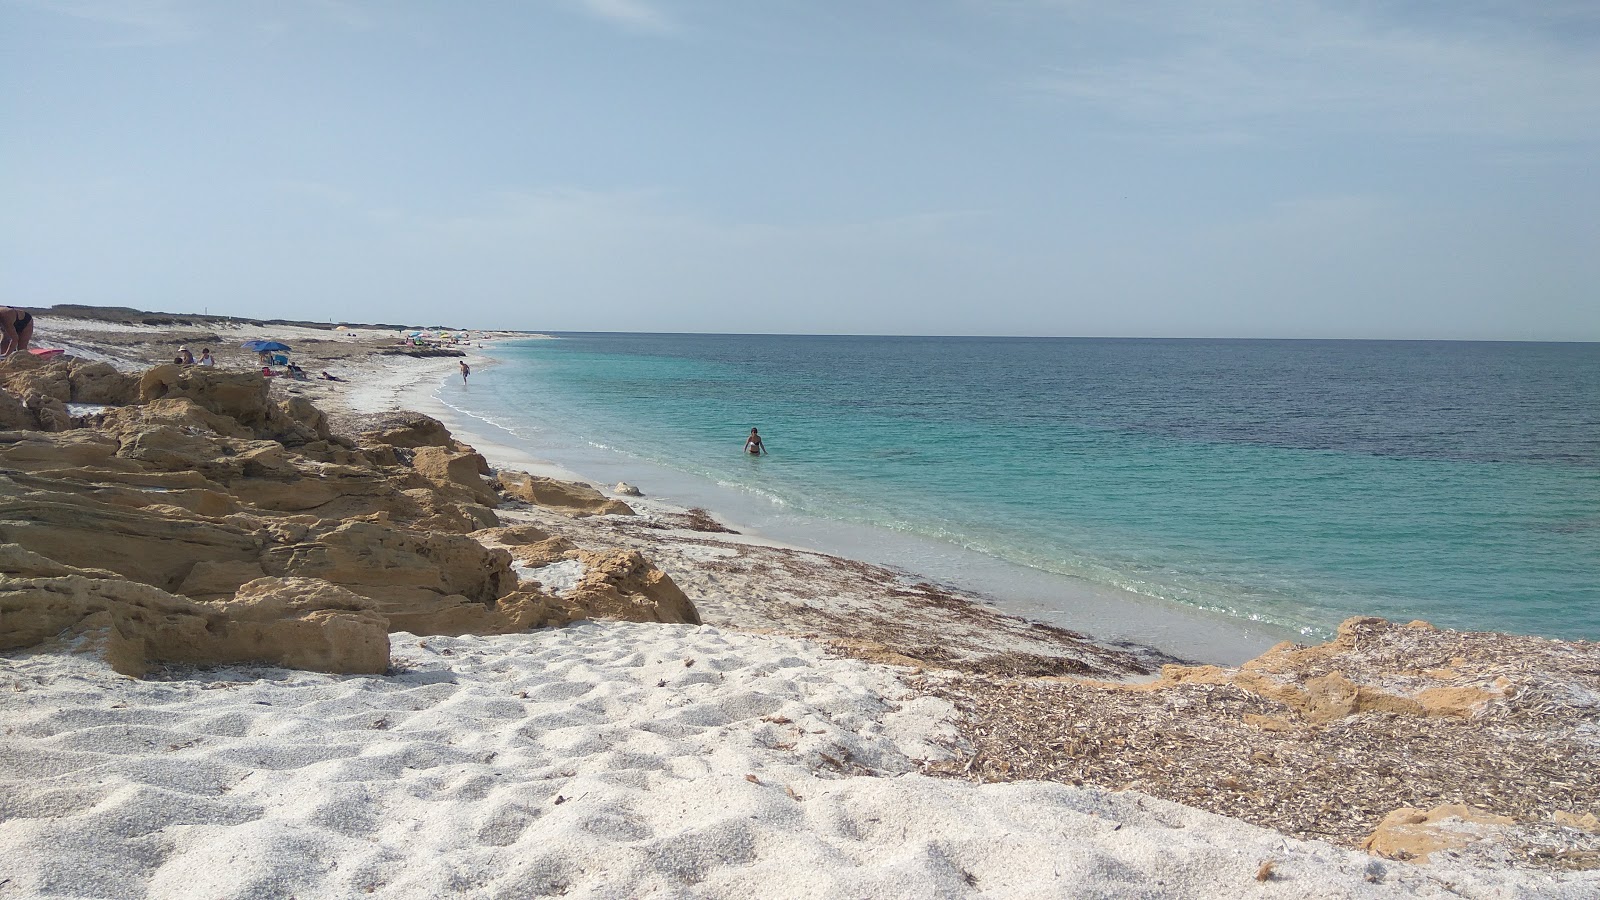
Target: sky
(1286, 169)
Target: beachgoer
(327, 377)
(17, 324)
(206, 359)
(465, 371)
(753, 445)
(185, 357)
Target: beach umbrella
(264, 346)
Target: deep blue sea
(1284, 483)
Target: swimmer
(753, 445)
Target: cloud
(1307, 67)
(631, 14)
(127, 22)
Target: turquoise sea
(1285, 484)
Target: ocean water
(1284, 484)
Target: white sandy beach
(600, 759)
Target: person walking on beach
(206, 359)
(465, 371)
(753, 445)
(17, 325)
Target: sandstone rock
(1586, 822)
(541, 553)
(13, 415)
(1329, 681)
(181, 413)
(98, 382)
(627, 490)
(210, 580)
(24, 374)
(621, 584)
(290, 622)
(241, 396)
(404, 571)
(149, 547)
(414, 430)
(301, 623)
(49, 412)
(30, 451)
(568, 497)
(1412, 834)
(463, 469)
(296, 421)
(511, 534)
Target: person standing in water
(17, 325)
(753, 445)
(465, 371)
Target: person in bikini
(753, 445)
(17, 325)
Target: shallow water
(1278, 484)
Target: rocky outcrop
(208, 524)
(66, 380)
(621, 584)
(302, 624)
(568, 497)
(456, 468)
(1412, 834)
(411, 430)
(1361, 671)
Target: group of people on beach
(186, 358)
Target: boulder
(1411, 834)
(296, 421)
(241, 396)
(571, 498)
(622, 584)
(463, 469)
(25, 374)
(412, 430)
(98, 382)
(627, 490)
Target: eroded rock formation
(201, 521)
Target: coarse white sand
(598, 760)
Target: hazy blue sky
(1293, 169)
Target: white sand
(598, 760)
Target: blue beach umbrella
(264, 346)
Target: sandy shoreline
(833, 728)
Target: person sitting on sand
(185, 357)
(206, 359)
(17, 324)
(753, 445)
